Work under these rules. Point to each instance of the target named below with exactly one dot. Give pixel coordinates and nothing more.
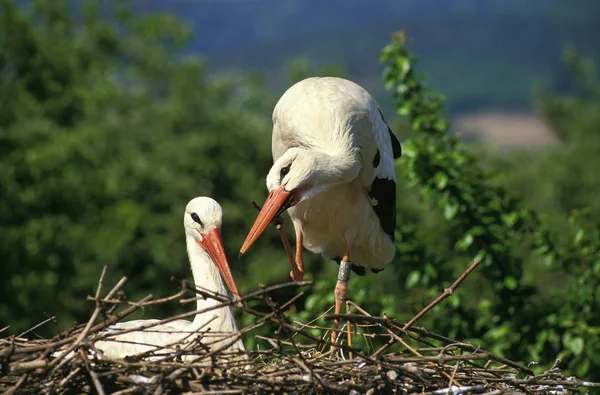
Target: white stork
(333, 171)
(202, 223)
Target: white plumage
(333, 170)
(202, 222)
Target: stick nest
(299, 358)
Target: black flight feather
(396, 147)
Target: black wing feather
(396, 147)
(383, 190)
(383, 201)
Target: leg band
(344, 272)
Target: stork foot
(340, 294)
(296, 276)
(297, 272)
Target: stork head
(202, 222)
(298, 175)
(297, 172)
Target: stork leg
(297, 273)
(340, 288)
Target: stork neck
(205, 272)
(207, 276)
(336, 167)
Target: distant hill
(505, 129)
(484, 53)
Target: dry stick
(348, 325)
(252, 295)
(447, 292)
(55, 344)
(118, 286)
(272, 342)
(302, 361)
(278, 223)
(126, 391)
(73, 373)
(185, 284)
(298, 382)
(148, 303)
(465, 346)
(37, 326)
(299, 330)
(19, 383)
(453, 375)
(442, 358)
(171, 377)
(87, 328)
(409, 348)
(399, 339)
(156, 348)
(385, 346)
(247, 329)
(93, 374)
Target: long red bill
(213, 244)
(276, 202)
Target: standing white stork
(202, 222)
(333, 171)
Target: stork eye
(196, 218)
(284, 172)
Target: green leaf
(573, 343)
(441, 180)
(450, 211)
(511, 283)
(465, 242)
(578, 236)
(413, 279)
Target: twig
(36, 326)
(447, 292)
(72, 374)
(387, 322)
(87, 328)
(117, 287)
(17, 385)
(293, 365)
(93, 375)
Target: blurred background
(114, 114)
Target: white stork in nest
(333, 172)
(202, 223)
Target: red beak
(213, 244)
(277, 202)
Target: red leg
(297, 274)
(299, 266)
(340, 288)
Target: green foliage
(487, 222)
(104, 136)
